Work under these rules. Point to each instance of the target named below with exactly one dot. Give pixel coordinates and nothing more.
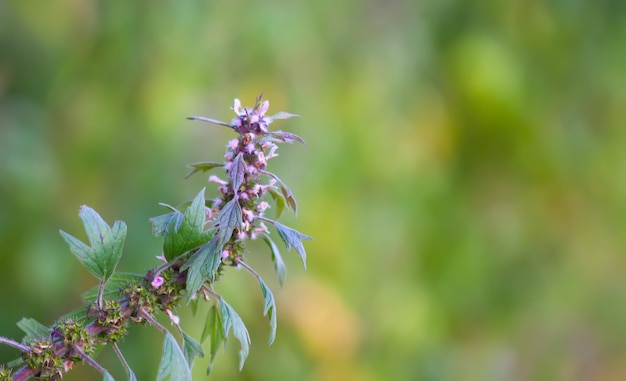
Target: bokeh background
(464, 179)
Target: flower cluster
(198, 243)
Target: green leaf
(193, 303)
(201, 266)
(107, 376)
(112, 286)
(131, 374)
(106, 244)
(280, 201)
(191, 349)
(289, 197)
(190, 233)
(279, 264)
(173, 361)
(269, 308)
(79, 314)
(160, 223)
(237, 171)
(34, 329)
(228, 219)
(204, 166)
(230, 318)
(286, 137)
(213, 327)
(292, 238)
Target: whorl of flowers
(197, 244)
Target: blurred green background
(464, 179)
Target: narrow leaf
(33, 329)
(79, 314)
(237, 171)
(84, 254)
(230, 318)
(213, 327)
(279, 264)
(228, 219)
(269, 308)
(287, 137)
(292, 238)
(190, 234)
(280, 201)
(289, 197)
(191, 349)
(160, 223)
(204, 166)
(106, 244)
(202, 266)
(173, 361)
(107, 376)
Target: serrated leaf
(173, 361)
(289, 197)
(293, 238)
(191, 349)
(214, 328)
(193, 303)
(201, 266)
(287, 137)
(79, 314)
(279, 264)
(204, 166)
(269, 308)
(280, 201)
(112, 286)
(230, 318)
(107, 376)
(237, 171)
(160, 223)
(106, 244)
(33, 329)
(190, 234)
(228, 219)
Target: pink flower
(233, 144)
(173, 318)
(217, 180)
(225, 254)
(263, 205)
(157, 282)
(261, 157)
(272, 153)
(162, 257)
(264, 107)
(238, 109)
(248, 214)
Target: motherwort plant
(198, 243)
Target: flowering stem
(152, 321)
(120, 356)
(14, 344)
(198, 244)
(250, 269)
(89, 360)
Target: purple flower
(157, 282)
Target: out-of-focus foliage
(465, 175)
